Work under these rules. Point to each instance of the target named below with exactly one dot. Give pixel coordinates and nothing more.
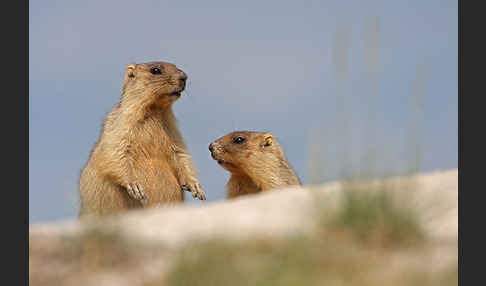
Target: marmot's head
(241, 151)
(159, 82)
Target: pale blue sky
(252, 65)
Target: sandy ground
(275, 213)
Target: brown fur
(140, 145)
(257, 164)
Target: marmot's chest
(152, 136)
(151, 146)
(151, 150)
(151, 141)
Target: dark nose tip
(211, 148)
(182, 75)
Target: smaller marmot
(255, 160)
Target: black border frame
(15, 23)
(470, 63)
(16, 26)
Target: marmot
(140, 158)
(255, 160)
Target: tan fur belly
(159, 182)
(100, 196)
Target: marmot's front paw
(195, 189)
(135, 191)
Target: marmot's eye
(238, 140)
(155, 71)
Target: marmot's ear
(267, 140)
(131, 70)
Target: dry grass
(373, 217)
(302, 261)
(368, 239)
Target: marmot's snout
(215, 150)
(212, 150)
(182, 75)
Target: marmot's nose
(211, 148)
(182, 75)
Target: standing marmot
(140, 157)
(255, 160)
